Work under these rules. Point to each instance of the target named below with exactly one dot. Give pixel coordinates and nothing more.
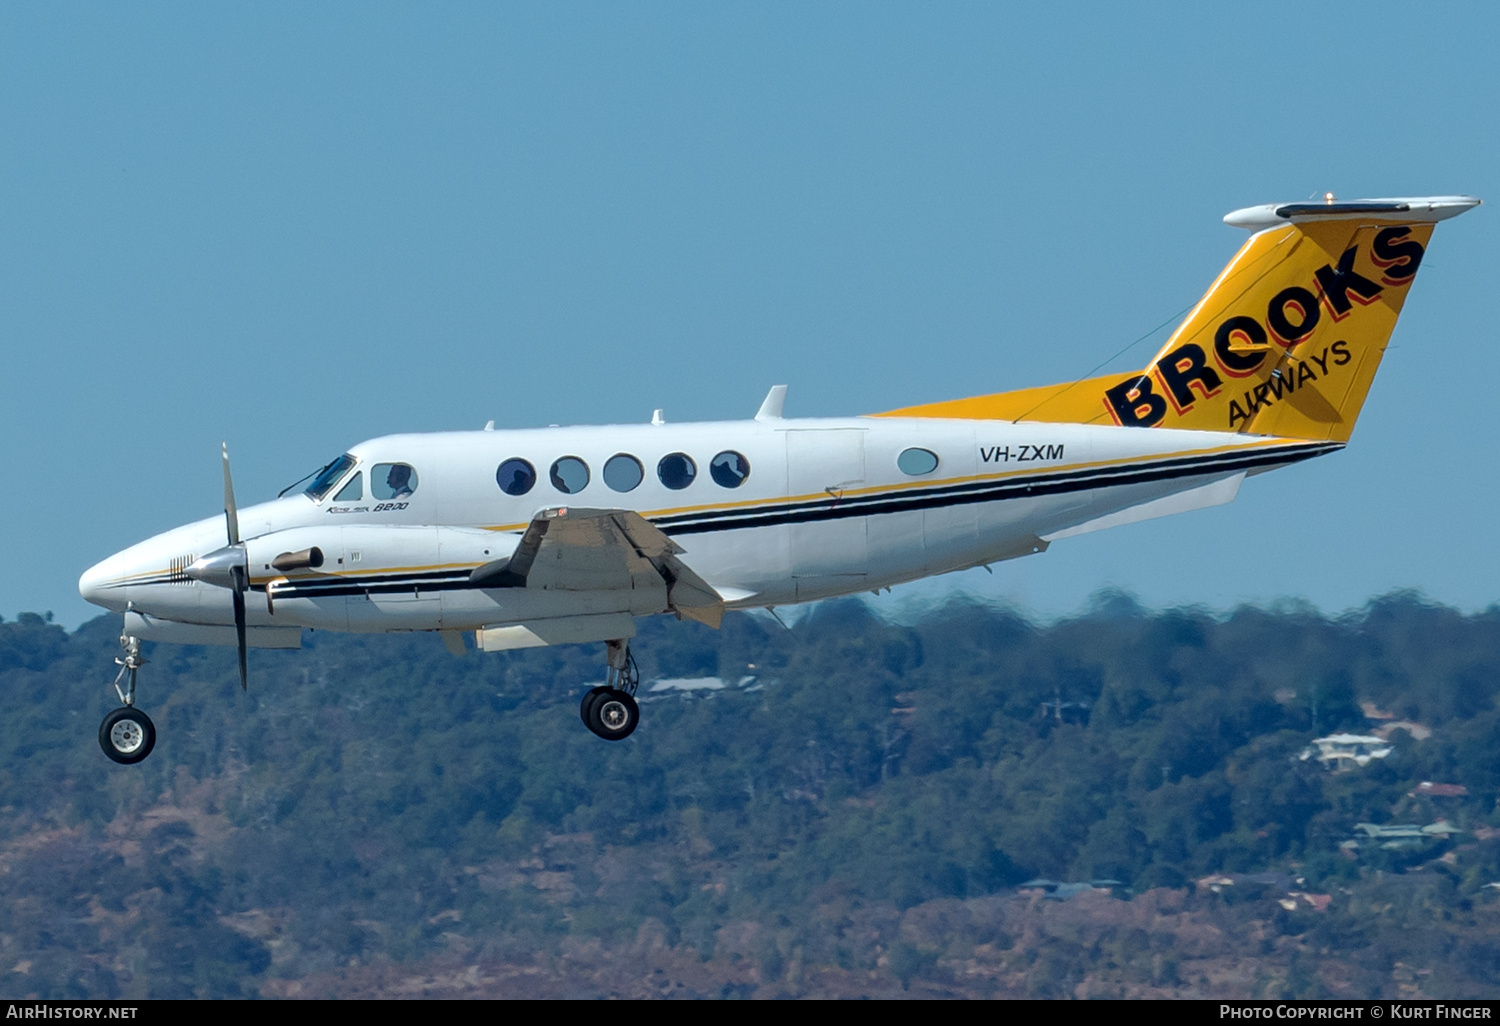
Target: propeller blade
(231, 512)
(238, 596)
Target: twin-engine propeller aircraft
(566, 535)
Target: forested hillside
(853, 813)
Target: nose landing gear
(127, 735)
(610, 711)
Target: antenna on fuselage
(773, 404)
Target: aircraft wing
(574, 549)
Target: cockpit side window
(329, 476)
(353, 491)
(392, 481)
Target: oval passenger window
(570, 474)
(623, 472)
(917, 462)
(677, 471)
(729, 469)
(515, 476)
(392, 481)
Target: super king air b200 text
(567, 535)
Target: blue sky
(293, 227)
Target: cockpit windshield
(329, 476)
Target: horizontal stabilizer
(1408, 210)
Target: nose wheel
(127, 735)
(610, 711)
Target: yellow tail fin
(1285, 342)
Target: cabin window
(917, 462)
(623, 472)
(677, 470)
(392, 482)
(570, 474)
(353, 491)
(729, 469)
(515, 476)
(328, 477)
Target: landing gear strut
(127, 735)
(610, 711)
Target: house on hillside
(1279, 887)
(1402, 835)
(1055, 890)
(1345, 751)
(697, 685)
(1417, 731)
(1427, 789)
(1273, 882)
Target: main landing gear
(127, 735)
(610, 710)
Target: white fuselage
(826, 509)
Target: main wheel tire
(590, 697)
(614, 715)
(127, 735)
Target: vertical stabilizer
(1285, 342)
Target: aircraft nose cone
(95, 583)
